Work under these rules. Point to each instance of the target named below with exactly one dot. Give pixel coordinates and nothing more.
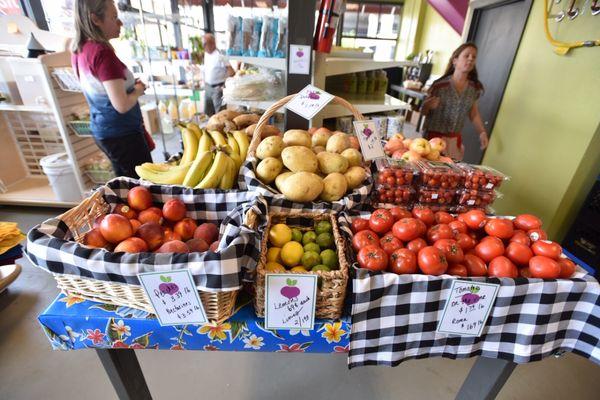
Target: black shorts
(125, 152)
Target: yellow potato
(320, 137)
(302, 187)
(331, 162)
(299, 159)
(297, 137)
(353, 156)
(282, 177)
(334, 187)
(338, 143)
(270, 147)
(268, 169)
(355, 176)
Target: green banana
(206, 143)
(215, 173)
(198, 169)
(173, 176)
(190, 146)
(230, 175)
(243, 143)
(218, 138)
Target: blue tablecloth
(71, 323)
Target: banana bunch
(210, 160)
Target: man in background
(216, 70)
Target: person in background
(216, 70)
(452, 98)
(109, 87)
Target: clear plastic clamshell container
(482, 177)
(440, 175)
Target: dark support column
(209, 17)
(486, 378)
(176, 24)
(34, 10)
(301, 25)
(125, 374)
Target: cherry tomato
(537, 234)
(359, 224)
(458, 227)
(502, 267)
(499, 227)
(521, 237)
(527, 222)
(547, 248)
(567, 268)
(432, 261)
(457, 270)
(416, 244)
(406, 229)
(389, 243)
(489, 248)
(365, 238)
(452, 251)
(544, 267)
(403, 261)
(518, 253)
(524, 272)
(373, 258)
(442, 217)
(440, 231)
(475, 265)
(399, 212)
(425, 214)
(381, 221)
(465, 241)
(474, 219)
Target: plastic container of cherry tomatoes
(440, 175)
(396, 195)
(436, 196)
(476, 198)
(481, 177)
(435, 207)
(395, 173)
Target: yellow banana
(230, 175)
(218, 138)
(190, 146)
(215, 173)
(159, 167)
(173, 176)
(232, 143)
(236, 159)
(194, 128)
(206, 143)
(198, 169)
(243, 143)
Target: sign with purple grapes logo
(290, 301)
(467, 308)
(309, 101)
(299, 62)
(369, 139)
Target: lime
(320, 267)
(274, 267)
(323, 227)
(310, 259)
(274, 254)
(297, 235)
(309, 237)
(279, 235)
(291, 253)
(299, 268)
(312, 247)
(325, 240)
(329, 258)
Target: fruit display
(440, 175)
(399, 147)
(303, 167)
(470, 244)
(139, 226)
(481, 177)
(476, 198)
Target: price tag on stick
(290, 301)
(309, 101)
(369, 139)
(174, 297)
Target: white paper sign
(299, 59)
(467, 308)
(309, 101)
(290, 301)
(174, 297)
(369, 138)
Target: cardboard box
(151, 118)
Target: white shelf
(340, 65)
(16, 107)
(168, 91)
(33, 191)
(260, 104)
(275, 63)
(389, 103)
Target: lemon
(274, 267)
(291, 253)
(274, 254)
(280, 234)
(299, 268)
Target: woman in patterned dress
(452, 98)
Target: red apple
(354, 142)
(411, 156)
(132, 245)
(420, 146)
(152, 214)
(98, 221)
(139, 198)
(406, 142)
(115, 228)
(397, 155)
(152, 234)
(198, 245)
(185, 228)
(213, 246)
(174, 246)
(95, 239)
(170, 235)
(433, 155)
(207, 231)
(174, 210)
(438, 144)
(135, 224)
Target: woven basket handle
(251, 219)
(280, 103)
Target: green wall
(547, 132)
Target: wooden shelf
(389, 103)
(275, 63)
(340, 65)
(33, 191)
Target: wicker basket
(218, 306)
(331, 292)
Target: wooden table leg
(486, 378)
(125, 374)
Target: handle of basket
(251, 219)
(264, 119)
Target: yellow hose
(563, 48)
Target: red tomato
(437, 232)
(521, 237)
(424, 214)
(458, 227)
(432, 261)
(399, 212)
(416, 244)
(359, 224)
(499, 227)
(527, 222)
(502, 267)
(373, 258)
(457, 270)
(406, 229)
(537, 234)
(518, 253)
(422, 227)
(465, 241)
(403, 261)
(489, 248)
(474, 219)
(381, 221)
(365, 238)
(389, 243)
(475, 265)
(452, 251)
(544, 267)
(547, 248)
(524, 272)
(567, 268)
(442, 217)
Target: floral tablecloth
(71, 323)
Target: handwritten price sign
(309, 101)
(174, 297)
(467, 308)
(369, 138)
(290, 301)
